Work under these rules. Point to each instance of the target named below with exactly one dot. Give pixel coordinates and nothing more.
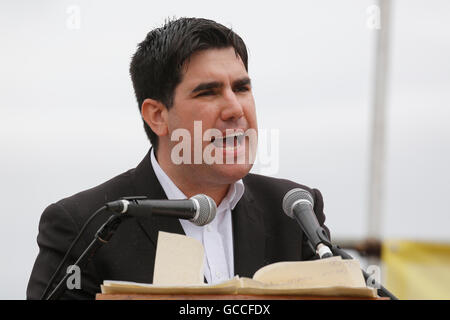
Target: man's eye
(205, 93)
(242, 89)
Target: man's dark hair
(156, 67)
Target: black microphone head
(293, 197)
(206, 210)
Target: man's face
(216, 90)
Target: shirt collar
(233, 196)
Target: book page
(179, 260)
(330, 272)
(354, 269)
(126, 287)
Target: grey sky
(67, 105)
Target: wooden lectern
(117, 296)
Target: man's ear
(154, 114)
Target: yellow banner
(417, 270)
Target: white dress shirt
(217, 236)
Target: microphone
(298, 204)
(200, 209)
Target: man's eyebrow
(217, 85)
(242, 82)
(207, 86)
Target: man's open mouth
(230, 141)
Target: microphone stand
(102, 236)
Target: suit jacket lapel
(248, 236)
(146, 183)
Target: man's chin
(230, 173)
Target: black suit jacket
(262, 233)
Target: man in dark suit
(188, 72)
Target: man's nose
(231, 108)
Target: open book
(179, 270)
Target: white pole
(378, 131)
